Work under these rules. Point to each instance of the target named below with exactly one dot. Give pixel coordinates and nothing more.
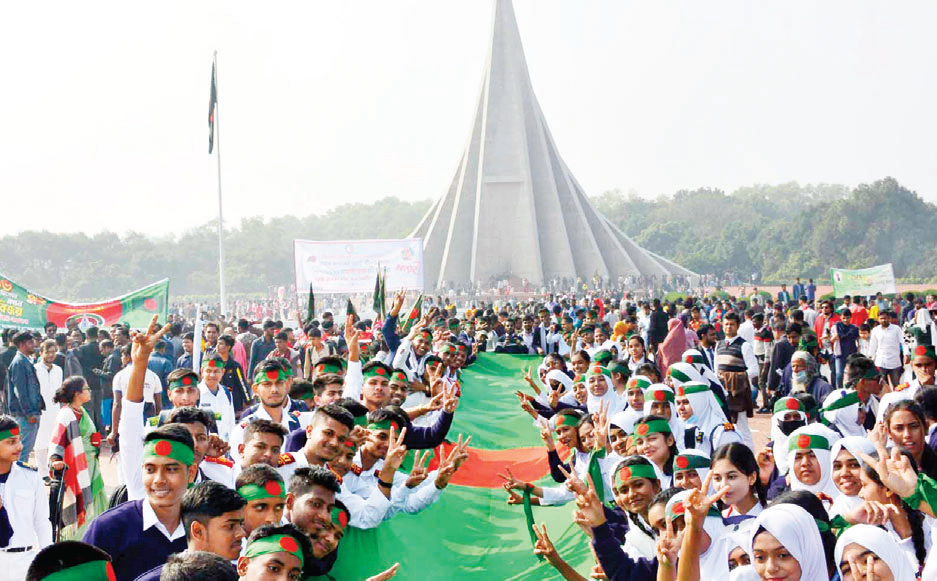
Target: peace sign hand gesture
(893, 469)
(544, 546)
(419, 472)
(856, 571)
(546, 434)
(600, 421)
(573, 483)
(697, 505)
(668, 546)
(144, 342)
(396, 451)
(590, 513)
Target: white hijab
(845, 419)
(610, 400)
(854, 445)
(779, 439)
(825, 484)
(707, 413)
(677, 427)
(881, 543)
(796, 530)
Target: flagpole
(220, 218)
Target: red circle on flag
(395, 426)
(803, 441)
(642, 429)
(15, 431)
(792, 404)
(150, 304)
(289, 544)
(678, 508)
(596, 369)
(681, 391)
(187, 380)
(272, 374)
(342, 519)
(273, 488)
(682, 462)
(379, 371)
(625, 473)
(633, 383)
(660, 396)
(920, 350)
(163, 448)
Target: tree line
(778, 231)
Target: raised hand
(872, 513)
(554, 398)
(396, 451)
(544, 546)
(450, 401)
(216, 446)
(668, 545)
(573, 483)
(590, 511)
(546, 434)
(510, 482)
(397, 303)
(143, 343)
(600, 422)
(869, 568)
(449, 465)
(765, 461)
(893, 469)
(697, 504)
(385, 575)
(513, 496)
(419, 472)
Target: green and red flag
(384, 293)
(483, 536)
(212, 103)
(377, 301)
(22, 308)
(414, 315)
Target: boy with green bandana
(270, 385)
(265, 492)
(71, 561)
(275, 553)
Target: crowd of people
(248, 447)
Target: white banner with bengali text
(350, 266)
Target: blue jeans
(838, 370)
(27, 435)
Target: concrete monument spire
(514, 209)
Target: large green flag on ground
(471, 533)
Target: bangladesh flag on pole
(377, 302)
(384, 293)
(212, 101)
(414, 314)
(471, 532)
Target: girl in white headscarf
(843, 412)
(789, 414)
(845, 472)
(698, 407)
(602, 395)
(786, 544)
(860, 542)
(659, 401)
(809, 454)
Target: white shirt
(151, 520)
(747, 331)
(885, 347)
(219, 402)
(151, 384)
(810, 316)
(748, 355)
(50, 379)
(27, 502)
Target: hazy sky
(103, 111)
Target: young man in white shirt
(50, 379)
(215, 397)
(885, 347)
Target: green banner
(866, 281)
(471, 532)
(21, 308)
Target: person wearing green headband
(399, 386)
(279, 549)
(328, 538)
(25, 503)
(67, 561)
(654, 439)
(619, 374)
(213, 517)
(634, 392)
(141, 534)
(215, 397)
(270, 385)
(182, 388)
(375, 392)
(264, 490)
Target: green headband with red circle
(678, 375)
(597, 370)
(186, 380)
(100, 570)
(639, 382)
(851, 398)
(652, 427)
(169, 449)
(328, 368)
(566, 420)
(340, 517)
(808, 442)
(376, 371)
(214, 362)
(7, 434)
(692, 387)
(693, 358)
(399, 376)
(925, 351)
(275, 544)
(678, 509)
(270, 376)
(788, 404)
(628, 473)
(659, 394)
(690, 462)
(384, 425)
(270, 489)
